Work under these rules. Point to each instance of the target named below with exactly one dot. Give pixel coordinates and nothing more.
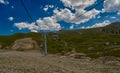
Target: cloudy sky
(55, 15)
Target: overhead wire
(92, 8)
(26, 10)
(29, 15)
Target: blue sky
(56, 15)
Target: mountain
(113, 28)
(114, 25)
(94, 42)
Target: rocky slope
(25, 44)
(35, 62)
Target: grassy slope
(81, 40)
(9, 40)
(95, 39)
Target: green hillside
(94, 42)
(8, 40)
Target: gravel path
(35, 62)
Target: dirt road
(35, 62)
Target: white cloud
(113, 17)
(63, 15)
(47, 23)
(78, 4)
(82, 18)
(51, 6)
(83, 27)
(34, 31)
(72, 26)
(47, 7)
(118, 12)
(80, 15)
(105, 23)
(99, 17)
(25, 25)
(111, 5)
(77, 18)
(4, 2)
(50, 23)
(66, 3)
(22, 25)
(11, 18)
(102, 24)
(103, 11)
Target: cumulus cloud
(111, 5)
(105, 23)
(78, 4)
(11, 18)
(82, 18)
(47, 23)
(4, 2)
(63, 15)
(78, 17)
(26, 25)
(51, 23)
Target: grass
(81, 40)
(9, 40)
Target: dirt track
(35, 62)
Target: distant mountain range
(113, 28)
(114, 25)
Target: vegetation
(93, 42)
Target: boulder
(107, 43)
(78, 55)
(90, 48)
(25, 44)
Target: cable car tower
(44, 32)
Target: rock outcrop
(25, 44)
(78, 55)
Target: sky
(55, 15)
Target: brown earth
(35, 62)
